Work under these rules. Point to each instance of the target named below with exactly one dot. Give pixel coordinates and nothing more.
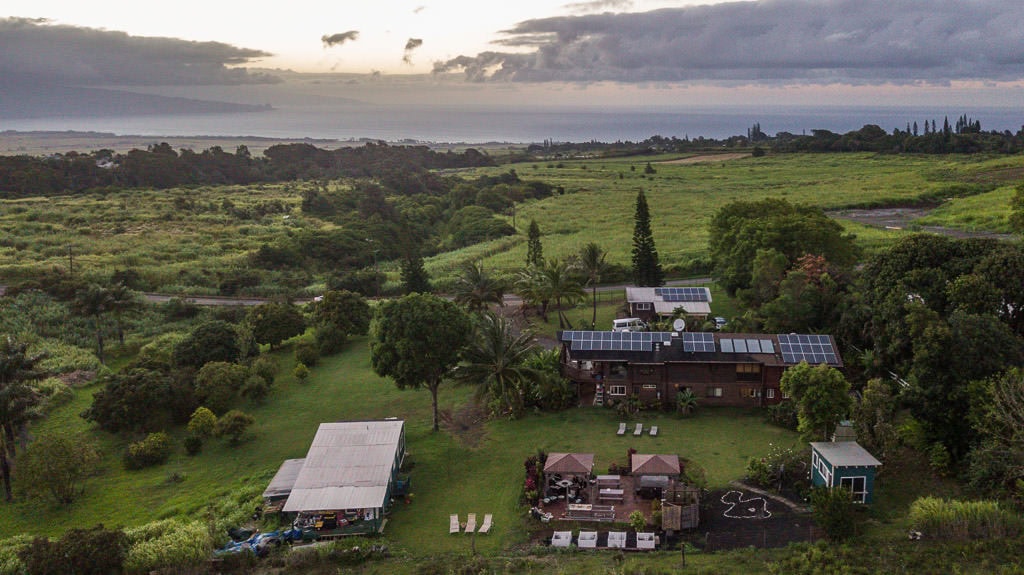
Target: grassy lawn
(449, 476)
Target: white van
(628, 324)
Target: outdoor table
(580, 507)
(606, 480)
(564, 484)
(611, 494)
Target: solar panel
(698, 341)
(683, 294)
(726, 345)
(767, 346)
(813, 349)
(614, 340)
(740, 345)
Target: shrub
(330, 339)
(255, 388)
(939, 459)
(153, 450)
(193, 444)
(10, 562)
(265, 367)
(234, 424)
(203, 423)
(168, 544)
(301, 372)
(307, 352)
(833, 512)
(95, 551)
(952, 519)
(219, 383)
(637, 520)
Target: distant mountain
(20, 102)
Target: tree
(95, 551)
(739, 229)
(559, 283)
(534, 249)
(414, 276)
(1017, 210)
(822, 396)
(344, 310)
(203, 423)
(416, 340)
(234, 424)
(833, 511)
(18, 401)
(214, 340)
(274, 322)
(495, 361)
(57, 464)
(646, 268)
(133, 399)
(874, 418)
(591, 263)
(219, 383)
(475, 289)
(94, 301)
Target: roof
(571, 463)
(845, 454)
(348, 466)
(655, 464)
(662, 307)
(725, 350)
(283, 481)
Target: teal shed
(844, 464)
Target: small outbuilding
(275, 495)
(844, 464)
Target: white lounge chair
(587, 540)
(622, 429)
(486, 527)
(654, 430)
(453, 524)
(561, 538)
(645, 540)
(639, 429)
(471, 523)
(617, 539)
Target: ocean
(523, 124)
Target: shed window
(643, 306)
(857, 486)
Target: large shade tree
(822, 397)
(416, 341)
(495, 361)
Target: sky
(842, 51)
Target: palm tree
(561, 284)
(94, 301)
(18, 400)
(532, 288)
(475, 288)
(495, 360)
(591, 263)
(123, 302)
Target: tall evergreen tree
(646, 268)
(534, 249)
(414, 276)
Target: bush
(301, 372)
(307, 352)
(168, 544)
(203, 423)
(952, 519)
(95, 551)
(155, 449)
(193, 444)
(833, 512)
(637, 520)
(255, 388)
(234, 424)
(265, 367)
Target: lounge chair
(471, 523)
(639, 429)
(587, 540)
(622, 429)
(654, 430)
(561, 538)
(645, 541)
(453, 524)
(617, 539)
(486, 527)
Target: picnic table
(610, 495)
(612, 481)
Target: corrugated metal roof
(348, 466)
(690, 307)
(283, 481)
(845, 454)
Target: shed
(281, 485)
(844, 464)
(656, 465)
(569, 463)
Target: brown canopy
(569, 463)
(656, 465)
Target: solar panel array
(813, 349)
(615, 340)
(698, 341)
(682, 293)
(747, 345)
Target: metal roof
(348, 466)
(845, 454)
(655, 464)
(283, 481)
(572, 463)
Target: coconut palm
(562, 285)
(494, 361)
(475, 289)
(591, 263)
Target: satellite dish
(679, 325)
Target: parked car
(720, 322)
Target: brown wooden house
(719, 368)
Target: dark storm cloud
(411, 45)
(598, 6)
(770, 41)
(339, 39)
(35, 52)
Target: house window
(617, 370)
(616, 390)
(748, 372)
(714, 392)
(785, 395)
(650, 386)
(643, 306)
(770, 393)
(857, 486)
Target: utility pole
(71, 261)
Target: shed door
(857, 486)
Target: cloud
(411, 45)
(339, 39)
(598, 6)
(767, 41)
(418, 9)
(38, 53)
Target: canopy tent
(569, 463)
(656, 465)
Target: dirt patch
(707, 158)
(77, 378)
(903, 219)
(998, 176)
(735, 518)
(466, 424)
